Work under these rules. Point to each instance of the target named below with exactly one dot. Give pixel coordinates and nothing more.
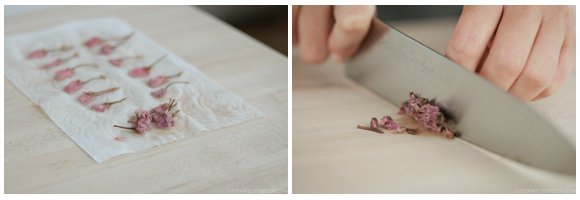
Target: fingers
(566, 62)
(473, 31)
(512, 45)
(351, 27)
(295, 13)
(543, 61)
(314, 24)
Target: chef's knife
(392, 64)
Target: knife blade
(392, 64)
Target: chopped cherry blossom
(88, 97)
(104, 106)
(68, 72)
(388, 123)
(58, 62)
(160, 80)
(76, 85)
(426, 113)
(374, 123)
(120, 138)
(145, 70)
(40, 53)
(118, 62)
(158, 94)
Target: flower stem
(114, 102)
(85, 65)
(175, 75)
(157, 61)
(369, 129)
(119, 44)
(117, 126)
(167, 86)
(95, 78)
(70, 57)
(61, 48)
(99, 93)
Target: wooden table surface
(247, 158)
(330, 155)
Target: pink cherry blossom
(145, 70)
(159, 93)
(93, 42)
(104, 106)
(106, 49)
(97, 41)
(374, 123)
(157, 81)
(68, 72)
(116, 62)
(426, 113)
(88, 97)
(388, 123)
(59, 61)
(161, 116)
(37, 54)
(100, 107)
(76, 85)
(64, 74)
(160, 80)
(143, 121)
(140, 72)
(55, 63)
(120, 138)
(164, 120)
(73, 86)
(40, 53)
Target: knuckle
(549, 91)
(536, 78)
(464, 47)
(508, 66)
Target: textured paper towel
(204, 105)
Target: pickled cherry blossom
(76, 85)
(104, 106)
(41, 53)
(69, 72)
(145, 70)
(88, 97)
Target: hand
(525, 50)
(320, 31)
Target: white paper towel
(204, 105)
